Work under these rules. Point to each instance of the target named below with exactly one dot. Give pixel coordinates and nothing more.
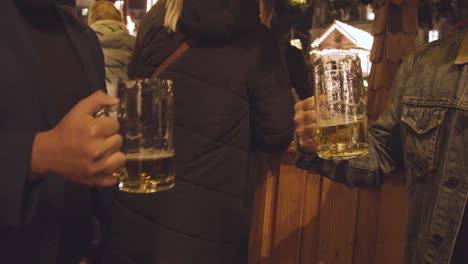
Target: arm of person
(271, 100)
(383, 136)
(80, 148)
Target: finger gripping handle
(105, 111)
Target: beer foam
(337, 122)
(149, 156)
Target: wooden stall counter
(303, 218)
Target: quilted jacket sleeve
(272, 101)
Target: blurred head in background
(117, 43)
(103, 10)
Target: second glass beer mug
(145, 115)
(341, 107)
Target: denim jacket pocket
(422, 128)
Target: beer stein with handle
(341, 106)
(145, 115)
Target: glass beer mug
(341, 107)
(145, 115)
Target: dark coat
(232, 96)
(299, 71)
(31, 214)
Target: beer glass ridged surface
(341, 107)
(146, 124)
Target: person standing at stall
(425, 129)
(53, 152)
(231, 98)
(116, 41)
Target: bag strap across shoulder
(174, 55)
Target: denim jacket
(425, 129)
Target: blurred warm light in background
(370, 15)
(298, 2)
(359, 37)
(130, 25)
(433, 35)
(84, 11)
(150, 3)
(296, 43)
(366, 84)
(119, 4)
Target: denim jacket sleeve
(384, 145)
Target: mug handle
(112, 112)
(107, 111)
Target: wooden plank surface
(310, 219)
(392, 221)
(336, 224)
(261, 233)
(302, 218)
(262, 225)
(366, 225)
(288, 225)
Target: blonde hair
(103, 10)
(173, 12)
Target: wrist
(41, 155)
(308, 150)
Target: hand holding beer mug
(145, 115)
(338, 113)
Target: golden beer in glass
(341, 107)
(145, 115)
